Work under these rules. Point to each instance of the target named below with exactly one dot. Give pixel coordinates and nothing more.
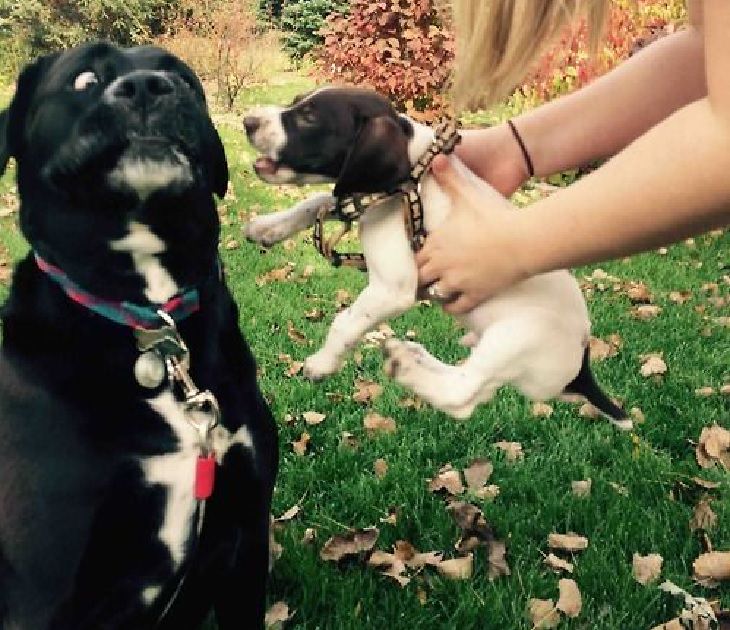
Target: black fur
(78, 526)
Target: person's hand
(477, 251)
(494, 155)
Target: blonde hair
(498, 40)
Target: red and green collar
(135, 316)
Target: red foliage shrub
(398, 47)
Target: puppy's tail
(585, 385)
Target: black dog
(106, 448)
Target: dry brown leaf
(581, 488)
(276, 275)
(374, 424)
(513, 450)
(600, 350)
(558, 564)
(308, 271)
(568, 542)
(342, 298)
(300, 446)
(380, 468)
(497, 563)
(488, 493)
(646, 311)
(289, 515)
(543, 614)
(310, 535)
(637, 415)
(589, 411)
(294, 368)
(647, 568)
(541, 410)
(706, 484)
(391, 518)
(478, 473)
(703, 517)
(366, 391)
(710, 568)
(680, 297)
(295, 335)
(447, 479)
(389, 565)
(349, 544)
(315, 315)
(713, 447)
(313, 418)
(412, 558)
(277, 616)
(704, 392)
(570, 601)
(725, 390)
(457, 568)
(638, 293)
(652, 366)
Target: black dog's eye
(307, 116)
(85, 80)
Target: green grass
(336, 488)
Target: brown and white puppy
(534, 335)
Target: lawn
(642, 495)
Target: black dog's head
(106, 139)
(353, 137)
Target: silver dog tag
(149, 370)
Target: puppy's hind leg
(269, 229)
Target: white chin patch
(285, 175)
(146, 176)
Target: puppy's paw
(320, 365)
(266, 230)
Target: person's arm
(670, 183)
(598, 120)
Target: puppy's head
(352, 137)
(103, 137)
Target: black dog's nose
(251, 124)
(141, 87)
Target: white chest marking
(176, 473)
(144, 246)
(148, 176)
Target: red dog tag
(204, 477)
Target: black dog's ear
(12, 120)
(378, 160)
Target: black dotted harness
(350, 208)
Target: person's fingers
(459, 306)
(452, 181)
(428, 274)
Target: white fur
(270, 136)
(532, 335)
(147, 176)
(144, 246)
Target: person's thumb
(454, 180)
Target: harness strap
(350, 208)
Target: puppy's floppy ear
(12, 120)
(378, 160)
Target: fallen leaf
(704, 392)
(568, 542)
(308, 271)
(457, 568)
(300, 446)
(413, 559)
(366, 391)
(375, 423)
(698, 614)
(600, 350)
(380, 468)
(478, 473)
(706, 484)
(710, 568)
(295, 335)
(638, 293)
(290, 514)
(389, 565)
(653, 365)
(647, 568)
(313, 418)
(541, 410)
(646, 311)
(315, 315)
(581, 488)
(447, 479)
(342, 298)
(703, 517)
(680, 297)
(276, 275)
(231, 244)
(542, 613)
(622, 490)
(713, 447)
(725, 390)
(570, 601)
(277, 616)
(589, 411)
(513, 450)
(349, 544)
(637, 415)
(310, 535)
(558, 564)
(488, 493)
(496, 559)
